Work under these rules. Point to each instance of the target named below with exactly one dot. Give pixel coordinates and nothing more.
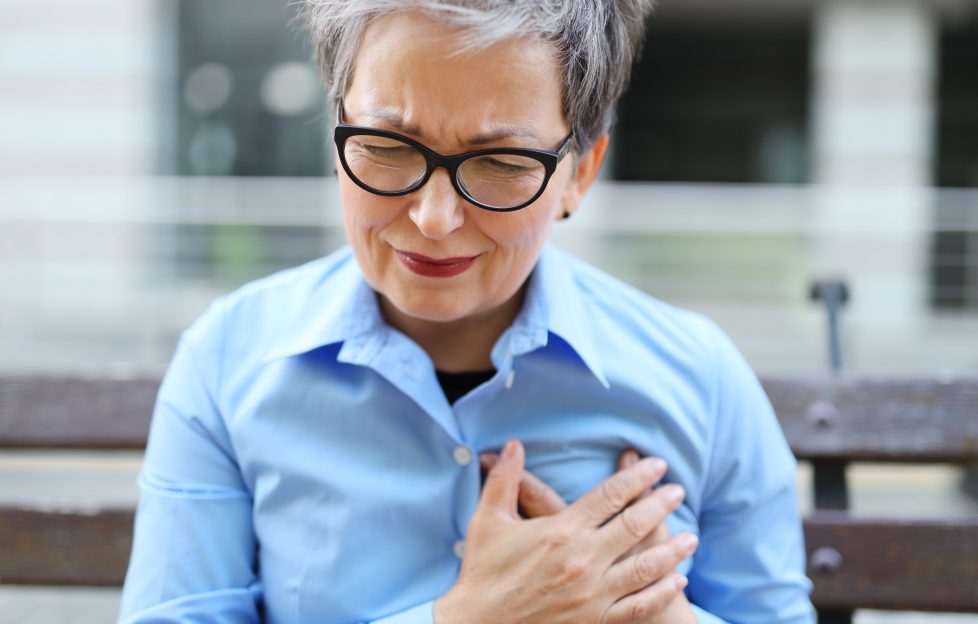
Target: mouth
(435, 267)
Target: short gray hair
(596, 42)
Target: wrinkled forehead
(424, 77)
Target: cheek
(518, 238)
(363, 212)
(525, 231)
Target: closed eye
(504, 166)
(386, 151)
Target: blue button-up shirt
(304, 464)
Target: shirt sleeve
(750, 565)
(194, 550)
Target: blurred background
(157, 153)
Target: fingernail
(681, 583)
(659, 465)
(674, 493)
(690, 542)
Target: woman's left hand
(538, 499)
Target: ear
(588, 165)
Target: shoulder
(677, 361)
(621, 312)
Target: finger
(627, 459)
(639, 519)
(644, 605)
(641, 570)
(488, 460)
(537, 498)
(614, 493)
(502, 487)
(660, 535)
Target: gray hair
(596, 42)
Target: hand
(537, 499)
(566, 567)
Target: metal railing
(106, 269)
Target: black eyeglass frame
(451, 163)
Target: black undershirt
(456, 385)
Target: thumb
(502, 488)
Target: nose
(437, 210)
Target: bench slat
(858, 419)
(884, 420)
(42, 547)
(885, 564)
(918, 565)
(75, 411)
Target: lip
(435, 267)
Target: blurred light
(782, 155)
(208, 87)
(290, 89)
(213, 149)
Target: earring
(566, 216)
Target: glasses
(500, 179)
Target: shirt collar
(338, 307)
(341, 307)
(553, 305)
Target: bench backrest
(928, 565)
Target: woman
(313, 455)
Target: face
(431, 255)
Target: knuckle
(638, 611)
(660, 601)
(632, 523)
(614, 493)
(559, 538)
(532, 491)
(573, 568)
(645, 569)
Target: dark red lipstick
(435, 267)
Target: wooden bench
(855, 562)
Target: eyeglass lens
(495, 180)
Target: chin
(430, 309)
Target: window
(250, 101)
(954, 256)
(718, 100)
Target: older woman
(313, 455)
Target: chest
(361, 496)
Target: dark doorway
(954, 256)
(714, 100)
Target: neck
(461, 345)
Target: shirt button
(462, 455)
(459, 548)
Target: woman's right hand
(570, 567)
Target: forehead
(416, 67)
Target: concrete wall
(80, 85)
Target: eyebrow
(502, 131)
(495, 132)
